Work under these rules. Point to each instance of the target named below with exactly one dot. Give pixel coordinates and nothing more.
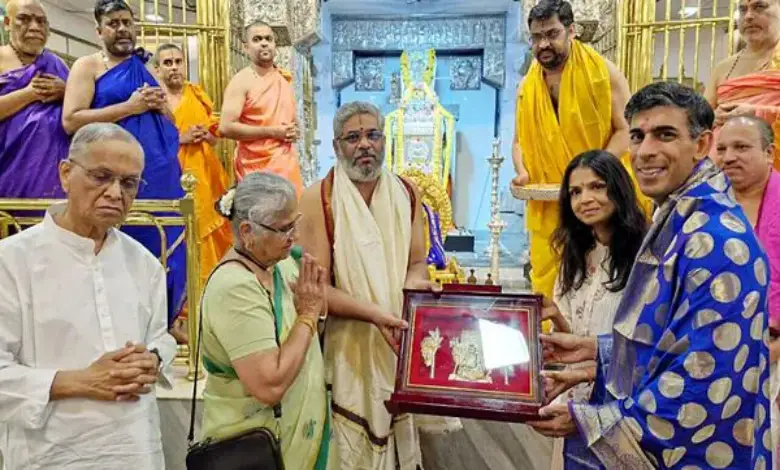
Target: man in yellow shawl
(197, 127)
(571, 101)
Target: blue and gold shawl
(687, 380)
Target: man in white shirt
(83, 328)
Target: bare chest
(751, 208)
(173, 101)
(744, 65)
(8, 60)
(553, 82)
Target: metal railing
(646, 24)
(202, 29)
(145, 213)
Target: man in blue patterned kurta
(684, 378)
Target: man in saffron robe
(748, 82)
(114, 85)
(32, 84)
(259, 112)
(571, 101)
(192, 109)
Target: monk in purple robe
(32, 85)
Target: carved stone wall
(237, 21)
(295, 22)
(481, 34)
(306, 17)
(606, 39)
(466, 73)
(274, 12)
(369, 74)
(596, 21)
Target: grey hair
(168, 46)
(100, 132)
(764, 128)
(261, 198)
(354, 108)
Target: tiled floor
(487, 445)
(480, 445)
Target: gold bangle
(307, 322)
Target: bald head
(13, 6)
(745, 152)
(763, 129)
(28, 26)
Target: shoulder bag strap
(277, 326)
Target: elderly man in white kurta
(83, 331)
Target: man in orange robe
(259, 112)
(192, 110)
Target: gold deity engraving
(468, 357)
(429, 346)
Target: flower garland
(434, 195)
(406, 75)
(389, 143)
(430, 67)
(448, 149)
(225, 203)
(436, 154)
(399, 139)
(428, 73)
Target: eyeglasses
(549, 36)
(353, 138)
(130, 185)
(286, 231)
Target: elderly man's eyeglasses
(353, 138)
(129, 185)
(286, 231)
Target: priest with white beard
(83, 326)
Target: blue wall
(475, 128)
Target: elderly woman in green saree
(260, 289)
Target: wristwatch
(156, 352)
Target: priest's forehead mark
(365, 121)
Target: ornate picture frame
(470, 354)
